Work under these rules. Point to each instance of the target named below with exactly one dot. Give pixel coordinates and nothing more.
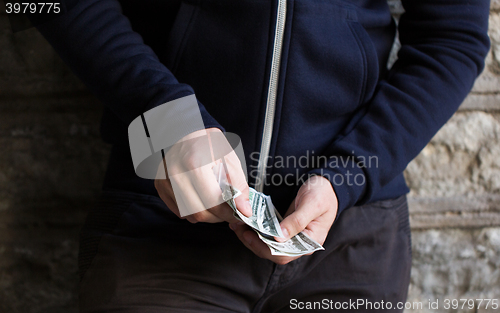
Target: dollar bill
(263, 218)
(299, 244)
(265, 221)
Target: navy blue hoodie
(336, 103)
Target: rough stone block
(452, 212)
(460, 160)
(455, 264)
(489, 81)
(495, 5)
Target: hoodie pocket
(330, 60)
(369, 57)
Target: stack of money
(265, 221)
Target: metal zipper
(271, 95)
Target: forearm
(443, 47)
(97, 41)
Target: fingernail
(285, 232)
(249, 206)
(248, 238)
(232, 226)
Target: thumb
(300, 214)
(242, 202)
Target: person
(327, 130)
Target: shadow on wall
(52, 163)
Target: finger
(162, 187)
(252, 241)
(224, 212)
(197, 191)
(319, 228)
(172, 206)
(185, 195)
(209, 189)
(237, 178)
(210, 193)
(188, 198)
(232, 168)
(243, 203)
(300, 216)
(204, 216)
(189, 202)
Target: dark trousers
(137, 256)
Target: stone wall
(455, 195)
(52, 162)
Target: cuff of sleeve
(184, 110)
(348, 183)
(208, 119)
(152, 133)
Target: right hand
(189, 166)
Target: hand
(190, 188)
(313, 211)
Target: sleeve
(443, 46)
(97, 42)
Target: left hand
(313, 211)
